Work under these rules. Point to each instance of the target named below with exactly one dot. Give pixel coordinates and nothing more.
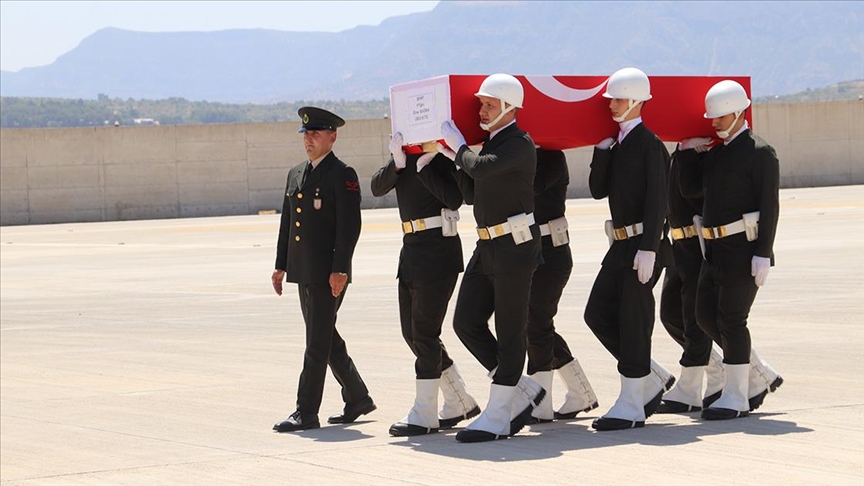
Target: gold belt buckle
(407, 228)
(498, 229)
(678, 233)
(620, 234)
(714, 233)
(419, 225)
(483, 233)
(689, 231)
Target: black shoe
(722, 414)
(671, 406)
(756, 402)
(652, 406)
(707, 401)
(534, 421)
(572, 415)
(524, 416)
(449, 423)
(603, 424)
(401, 429)
(297, 422)
(471, 435)
(352, 411)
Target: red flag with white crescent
(564, 112)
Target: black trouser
(546, 348)
(678, 304)
(422, 306)
(482, 293)
(620, 312)
(324, 347)
(722, 308)
(561, 354)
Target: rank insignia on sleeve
(352, 186)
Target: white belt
(626, 232)
(718, 232)
(544, 229)
(422, 224)
(492, 232)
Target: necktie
(306, 173)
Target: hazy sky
(34, 33)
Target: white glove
(452, 135)
(424, 160)
(759, 267)
(399, 157)
(448, 152)
(698, 143)
(644, 265)
(605, 143)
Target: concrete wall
(116, 173)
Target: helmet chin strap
(724, 134)
(504, 111)
(630, 105)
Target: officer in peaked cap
(317, 236)
(318, 119)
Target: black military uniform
(620, 309)
(678, 306)
(319, 230)
(429, 263)
(734, 179)
(499, 182)
(678, 299)
(547, 350)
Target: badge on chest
(316, 202)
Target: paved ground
(155, 352)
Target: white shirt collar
(318, 160)
(745, 126)
(492, 134)
(626, 127)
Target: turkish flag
(564, 112)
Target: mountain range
(784, 46)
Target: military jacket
(320, 222)
(632, 174)
(680, 211)
(499, 182)
(735, 179)
(426, 255)
(550, 195)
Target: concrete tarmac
(156, 352)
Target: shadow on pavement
(333, 433)
(546, 441)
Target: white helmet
(628, 84)
(505, 88)
(724, 98)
